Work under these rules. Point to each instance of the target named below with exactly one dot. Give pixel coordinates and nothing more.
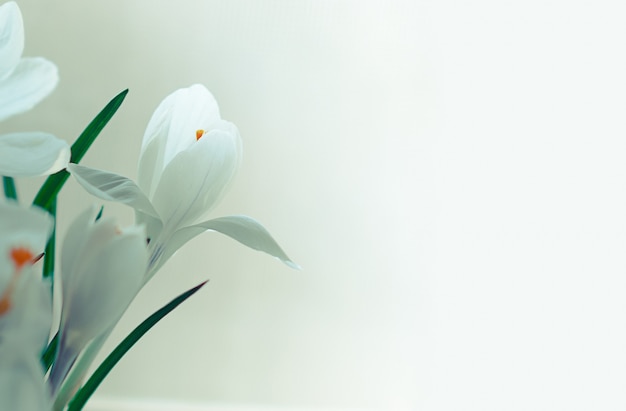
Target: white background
(450, 175)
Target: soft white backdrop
(449, 174)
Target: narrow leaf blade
(48, 258)
(103, 370)
(10, 192)
(54, 182)
(47, 358)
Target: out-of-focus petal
(112, 187)
(28, 227)
(11, 37)
(22, 384)
(99, 280)
(32, 154)
(108, 281)
(28, 224)
(195, 180)
(83, 242)
(29, 318)
(29, 83)
(74, 241)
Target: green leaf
(100, 213)
(53, 183)
(49, 253)
(47, 357)
(94, 381)
(10, 191)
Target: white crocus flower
(32, 154)
(22, 385)
(102, 270)
(25, 308)
(24, 82)
(25, 298)
(189, 157)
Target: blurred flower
(22, 385)
(26, 311)
(189, 157)
(102, 271)
(25, 308)
(23, 83)
(32, 154)
(24, 296)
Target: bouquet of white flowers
(188, 158)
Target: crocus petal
(29, 319)
(28, 227)
(108, 275)
(244, 229)
(26, 315)
(73, 242)
(11, 37)
(112, 187)
(84, 243)
(100, 279)
(153, 225)
(98, 235)
(105, 287)
(31, 224)
(22, 384)
(29, 83)
(172, 129)
(32, 154)
(195, 180)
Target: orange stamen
(5, 304)
(199, 134)
(5, 300)
(21, 256)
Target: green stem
(54, 182)
(10, 191)
(49, 255)
(48, 355)
(103, 370)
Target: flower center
(20, 256)
(199, 134)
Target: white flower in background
(32, 154)
(24, 296)
(102, 269)
(22, 385)
(189, 157)
(24, 82)
(25, 308)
